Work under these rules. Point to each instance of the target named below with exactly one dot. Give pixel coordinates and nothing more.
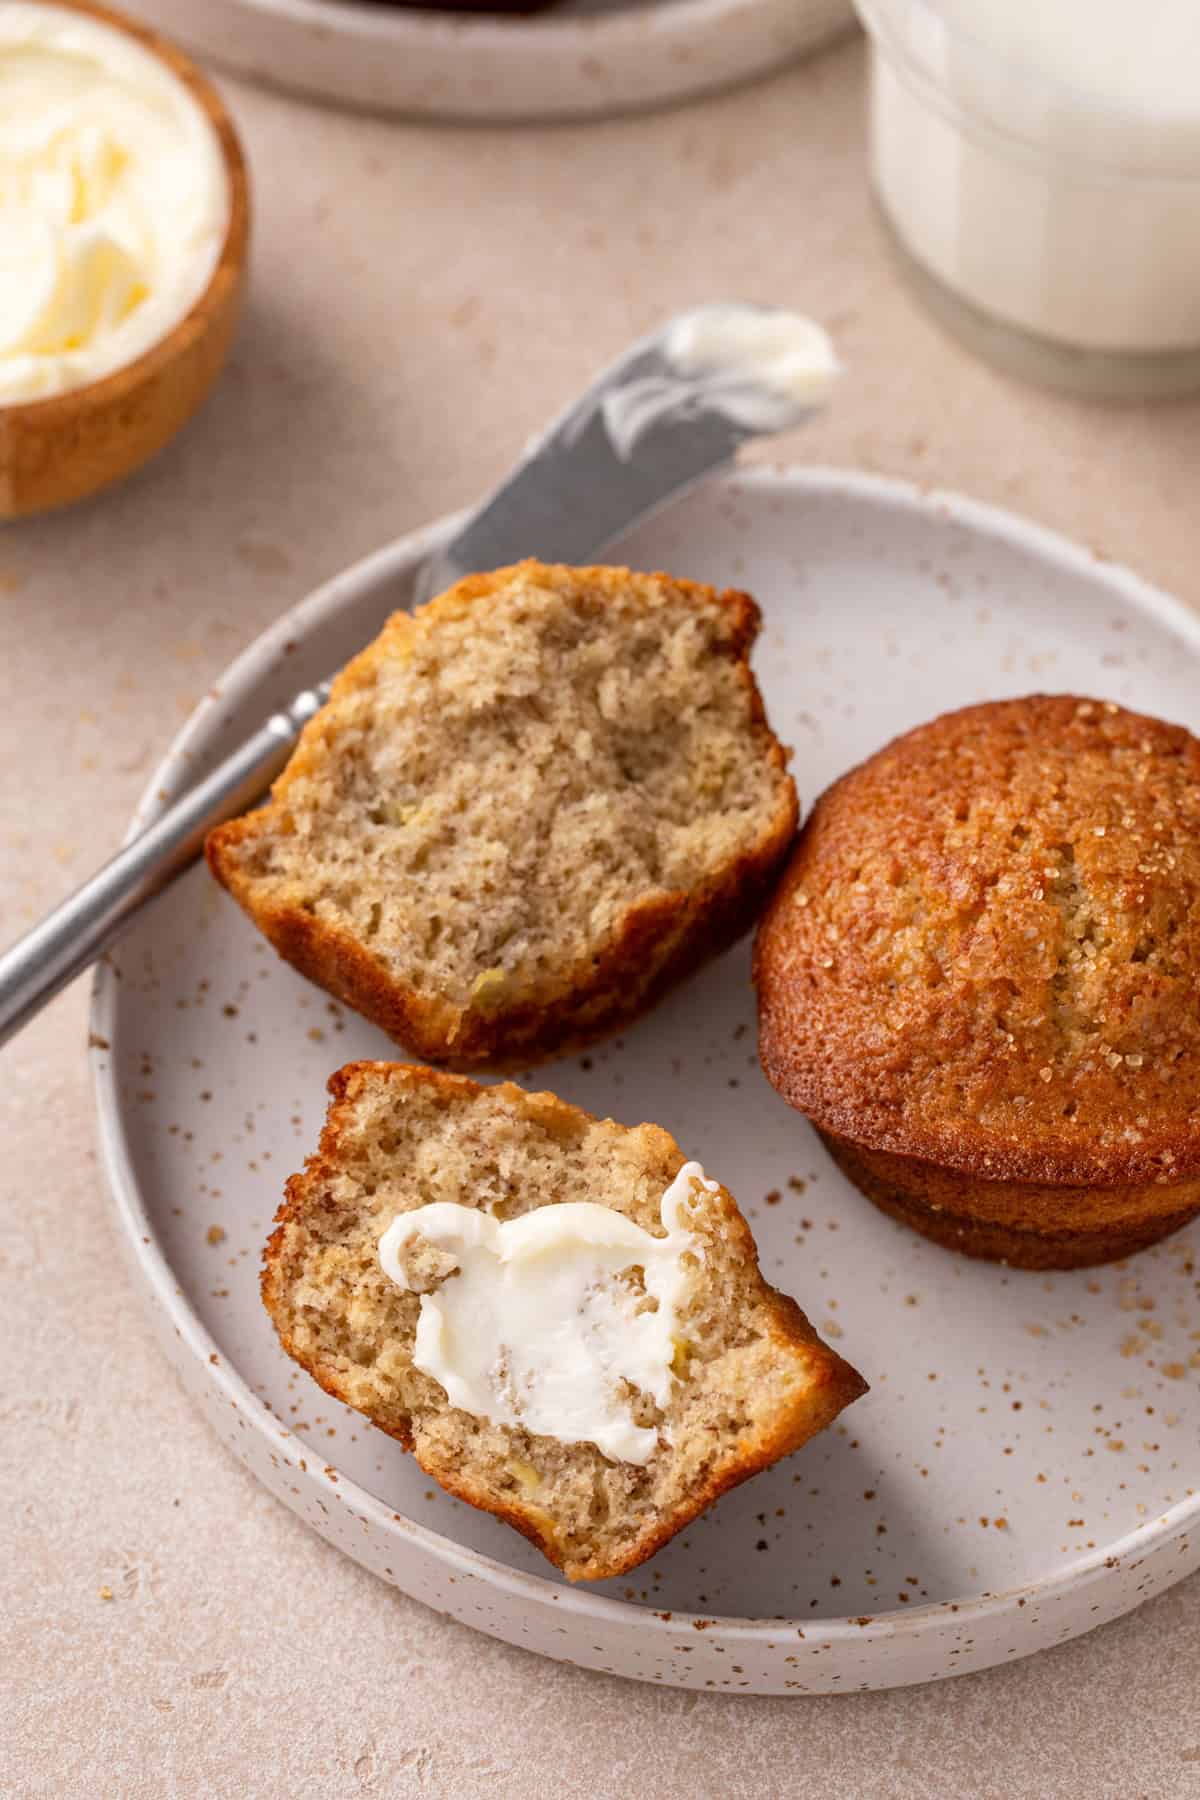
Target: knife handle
(42, 962)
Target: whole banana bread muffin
(980, 979)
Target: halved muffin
(527, 809)
(980, 978)
(596, 1388)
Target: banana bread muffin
(527, 809)
(980, 979)
(598, 1394)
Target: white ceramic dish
(586, 57)
(1028, 1462)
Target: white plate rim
(421, 63)
(157, 1279)
(379, 24)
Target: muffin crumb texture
(526, 809)
(752, 1379)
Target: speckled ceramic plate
(1027, 1463)
(583, 58)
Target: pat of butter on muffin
(536, 1328)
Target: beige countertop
(422, 299)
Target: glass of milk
(1037, 163)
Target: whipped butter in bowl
(123, 227)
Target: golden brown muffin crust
(985, 951)
(1029, 1225)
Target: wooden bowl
(70, 445)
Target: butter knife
(676, 406)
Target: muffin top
(986, 949)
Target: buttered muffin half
(980, 979)
(526, 811)
(562, 1319)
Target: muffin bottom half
(1025, 1224)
